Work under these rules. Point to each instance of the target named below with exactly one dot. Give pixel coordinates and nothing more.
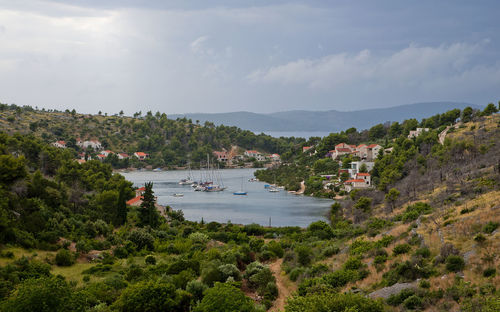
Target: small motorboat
(240, 193)
(178, 195)
(273, 190)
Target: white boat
(178, 195)
(273, 190)
(187, 181)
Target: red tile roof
(354, 180)
(363, 174)
(141, 154)
(141, 189)
(134, 200)
(372, 145)
(345, 150)
(361, 145)
(340, 144)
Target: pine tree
(121, 206)
(147, 212)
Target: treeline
(169, 142)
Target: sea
(258, 206)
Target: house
(136, 201)
(349, 185)
(416, 133)
(356, 165)
(372, 151)
(106, 153)
(306, 148)
(59, 144)
(80, 161)
(221, 156)
(275, 157)
(261, 157)
(363, 151)
(251, 153)
(340, 151)
(140, 155)
(364, 176)
(122, 156)
(139, 191)
(96, 145)
(101, 157)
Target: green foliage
(333, 302)
(42, 294)
(152, 296)
(364, 203)
(412, 212)
(455, 263)
(147, 212)
(303, 254)
(224, 297)
(150, 259)
(142, 239)
(490, 227)
(64, 258)
(401, 249)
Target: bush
(412, 302)
(230, 270)
(490, 227)
(150, 259)
(401, 249)
(330, 251)
(304, 254)
(423, 252)
(120, 252)
(64, 258)
(489, 272)
(142, 239)
(196, 289)
(224, 297)
(455, 263)
(353, 263)
(424, 284)
(333, 302)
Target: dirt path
(285, 286)
(442, 135)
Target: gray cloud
(226, 55)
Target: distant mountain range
(330, 121)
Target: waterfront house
(221, 156)
(141, 156)
(352, 184)
(355, 165)
(251, 153)
(106, 153)
(122, 156)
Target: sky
(260, 56)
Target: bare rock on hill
(386, 292)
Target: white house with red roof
(59, 144)
(106, 153)
(306, 148)
(251, 153)
(352, 184)
(101, 157)
(122, 156)
(364, 176)
(356, 165)
(140, 155)
(275, 157)
(372, 151)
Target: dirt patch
(285, 286)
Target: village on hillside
(93, 149)
(355, 173)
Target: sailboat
(241, 192)
(210, 186)
(187, 181)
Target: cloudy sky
(255, 55)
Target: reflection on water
(257, 207)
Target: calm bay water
(257, 207)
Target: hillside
(168, 142)
(329, 121)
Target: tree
(41, 294)
(363, 203)
(490, 109)
(363, 168)
(147, 211)
(121, 206)
(121, 113)
(224, 297)
(391, 197)
(153, 296)
(467, 114)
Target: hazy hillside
(331, 120)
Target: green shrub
(398, 299)
(150, 259)
(489, 272)
(304, 254)
(352, 263)
(412, 302)
(224, 297)
(330, 251)
(423, 252)
(455, 263)
(275, 248)
(64, 258)
(424, 284)
(333, 302)
(490, 227)
(401, 249)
